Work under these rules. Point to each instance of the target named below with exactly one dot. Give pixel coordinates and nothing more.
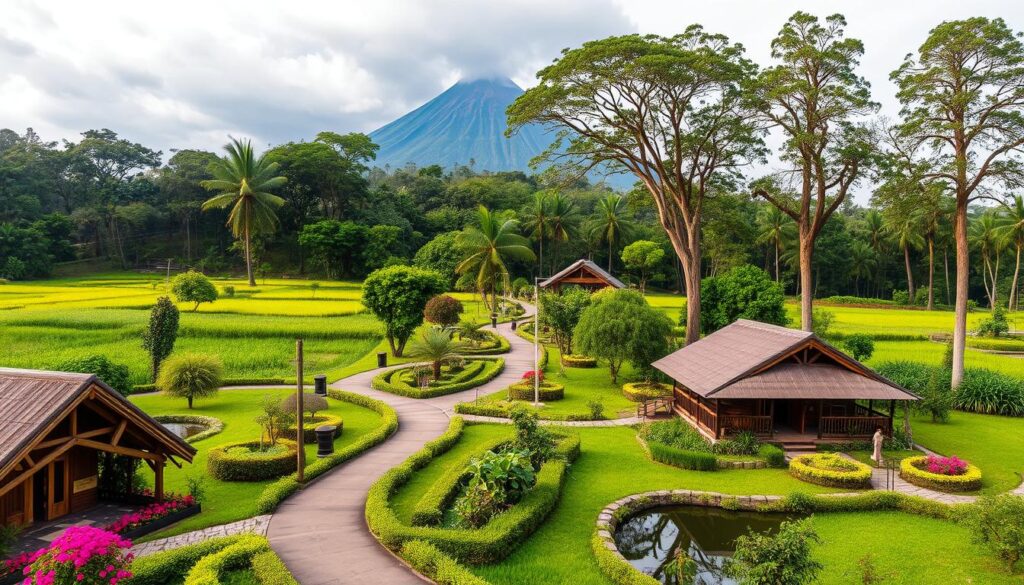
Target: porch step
(797, 448)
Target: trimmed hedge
(845, 473)
(208, 570)
(968, 482)
(276, 492)
(439, 567)
(269, 570)
(995, 344)
(773, 456)
(309, 426)
(497, 344)
(225, 466)
(617, 568)
(391, 380)
(865, 502)
(641, 391)
(503, 408)
(489, 544)
(669, 455)
(578, 361)
(169, 566)
(548, 391)
(214, 425)
(429, 510)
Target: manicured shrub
(193, 287)
(487, 343)
(998, 522)
(397, 295)
(190, 376)
(1015, 345)
(251, 461)
(116, 376)
(830, 469)
(548, 391)
(310, 424)
(944, 474)
(158, 339)
(443, 310)
(860, 346)
(783, 558)
(169, 566)
(392, 380)
(773, 456)
(81, 554)
(428, 560)
(696, 460)
(269, 569)
(238, 555)
(578, 361)
(641, 391)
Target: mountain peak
(498, 80)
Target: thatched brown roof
(749, 359)
(587, 266)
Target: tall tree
(610, 224)
(814, 95)
(874, 227)
(905, 230)
(158, 339)
(773, 229)
(490, 244)
(536, 221)
(1012, 230)
(668, 110)
(862, 264)
(245, 181)
(565, 220)
(963, 98)
(986, 237)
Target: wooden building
(584, 274)
(53, 425)
(782, 384)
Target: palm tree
(875, 227)
(489, 244)
(862, 263)
(905, 228)
(985, 235)
(1012, 231)
(537, 223)
(774, 227)
(934, 208)
(565, 220)
(436, 346)
(245, 181)
(611, 225)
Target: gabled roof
(586, 265)
(30, 400)
(744, 360)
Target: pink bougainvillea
(152, 512)
(82, 554)
(945, 465)
(530, 374)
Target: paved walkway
(255, 525)
(321, 534)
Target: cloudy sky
(185, 74)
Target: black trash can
(514, 325)
(382, 359)
(320, 384)
(494, 321)
(325, 440)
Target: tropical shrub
(530, 436)
(998, 522)
(821, 321)
(252, 460)
(982, 390)
(436, 346)
(228, 290)
(860, 346)
(742, 443)
(190, 376)
(783, 558)
(193, 287)
(996, 325)
(397, 295)
(443, 310)
(116, 376)
(944, 474)
(900, 297)
(830, 469)
(494, 482)
(621, 326)
(81, 554)
(675, 432)
(773, 456)
(743, 292)
(158, 339)
(561, 313)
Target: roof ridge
(771, 327)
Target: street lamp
(536, 342)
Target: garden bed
(944, 474)
(643, 391)
(310, 424)
(493, 344)
(252, 460)
(831, 470)
(547, 391)
(578, 361)
(403, 380)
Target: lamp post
(536, 342)
(299, 407)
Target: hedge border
(503, 346)
(382, 381)
(968, 482)
(489, 544)
(548, 391)
(860, 477)
(502, 409)
(578, 361)
(429, 510)
(276, 492)
(639, 391)
(167, 566)
(239, 555)
(319, 419)
(617, 569)
(428, 560)
(226, 466)
(215, 424)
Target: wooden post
(718, 421)
(158, 468)
(299, 408)
(821, 406)
(892, 413)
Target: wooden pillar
(871, 408)
(892, 413)
(771, 413)
(158, 468)
(718, 421)
(821, 407)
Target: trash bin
(325, 440)
(513, 325)
(494, 321)
(382, 359)
(320, 384)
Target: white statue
(876, 442)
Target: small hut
(582, 273)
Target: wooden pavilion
(582, 273)
(779, 383)
(53, 425)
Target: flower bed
(944, 474)
(213, 425)
(641, 391)
(396, 381)
(832, 470)
(154, 516)
(81, 554)
(240, 462)
(309, 425)
(578, 361)
(548, 391)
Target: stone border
(214, 425)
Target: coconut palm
(1011, 229)
(862, 263)
(537, 223)
(905, 229)
(986, 237)
(490, 244)
(436, 346)
(565, 221)
(245, 181)
(875, 228)
(773, 228)
(611, 225)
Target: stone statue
(876, 442)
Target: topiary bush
(944, 474)
(429, 561)
(311, 422)
(443, 310)
(578, 361)
(831, 470)
(193, 287)
(548, 391)
(190, 376)
(641, 391)
(477, 371)
(168, 566)
(244, 461)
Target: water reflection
(184, 430)
(650, 540)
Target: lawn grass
(994, 443)
(231, 501)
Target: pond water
(184, 430)
(651, 540)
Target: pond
(185, 430)
(651, 539)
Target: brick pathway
(255, 525)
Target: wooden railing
(737, 423)
(852, 426)
(704, 416)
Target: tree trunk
(609, 255)
(190, 402)
(776, 261)
(437, 370)
(931, 274)
(1014, 289)
(910, 273)
(962, 274)
(248, 248)
(945, 269)
(806, 282)
(540, 256)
